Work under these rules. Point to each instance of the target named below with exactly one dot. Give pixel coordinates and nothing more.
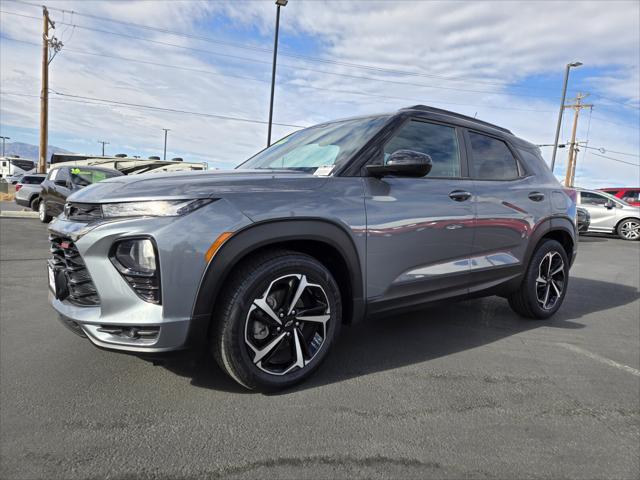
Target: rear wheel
(277, 319)
(42, 212)
(629, 229)
(544, 285)
(34, 203)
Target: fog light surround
(137, 261)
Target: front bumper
(120, 319)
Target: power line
(615, 159)
(288, 54)
(81, 99)
(605, 150)
(290, 66)
(244, 77)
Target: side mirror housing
(403, 163)
(610, 204)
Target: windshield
(318, 149)
(83, 177)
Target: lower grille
(71, 271)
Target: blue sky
(501, 61)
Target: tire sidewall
(532, 275)
(294, 264)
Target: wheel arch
(561, 229)
(631, 217)
(326, 241)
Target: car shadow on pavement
(395, 341)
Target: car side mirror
(61, 183)
(609, 204)
(403, 163)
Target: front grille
(68, 265)
(83, 212)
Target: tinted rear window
(27, 180)
(491, 158)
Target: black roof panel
(425, 108)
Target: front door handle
(459, 195)
(536, 196)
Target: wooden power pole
(56, 45)
(573, 151)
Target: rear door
(60, 189)
(419, 230)
(509, 203)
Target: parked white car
(610, 214)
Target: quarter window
(440, 142)
(588, 198)
(491, 159)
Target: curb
(18, 214)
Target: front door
(420, 230)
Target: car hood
(188, 185)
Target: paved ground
(466, 390)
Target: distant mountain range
(30, 152)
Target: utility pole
(56, 45)
(103, 144)
(3, 139)
(573, 150)
(165, 143)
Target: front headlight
(154, 208)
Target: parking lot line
(606, 361)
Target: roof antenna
(475, 115)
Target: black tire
(627, 229)
(42, 212)
(526, 300)
(269, 278)
(35, 201)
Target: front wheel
(42, 212)
(544, 285)
(629, 229)
(277, 319)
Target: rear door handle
(459, 195)
(536, 196)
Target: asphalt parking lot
(456, 391)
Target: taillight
(18, 186)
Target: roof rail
(425, 108)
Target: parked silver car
(610, 214)
(28, 190)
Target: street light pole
(279, 3)
(564, 96)
(3, 139)
(165, 143)
(103, 142)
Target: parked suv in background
(63, 181)
(629, 195)
(28, 190)
(610, 214)
(333, 223)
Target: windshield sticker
(323, 171)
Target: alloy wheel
(287, 326)
(551, 280)
(630, 230)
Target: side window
(589, 198)
(438, 141)
(53, 174)
(631, 196)
(491, 159)
(63, 174)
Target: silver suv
(610, 214)
(334, 223)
